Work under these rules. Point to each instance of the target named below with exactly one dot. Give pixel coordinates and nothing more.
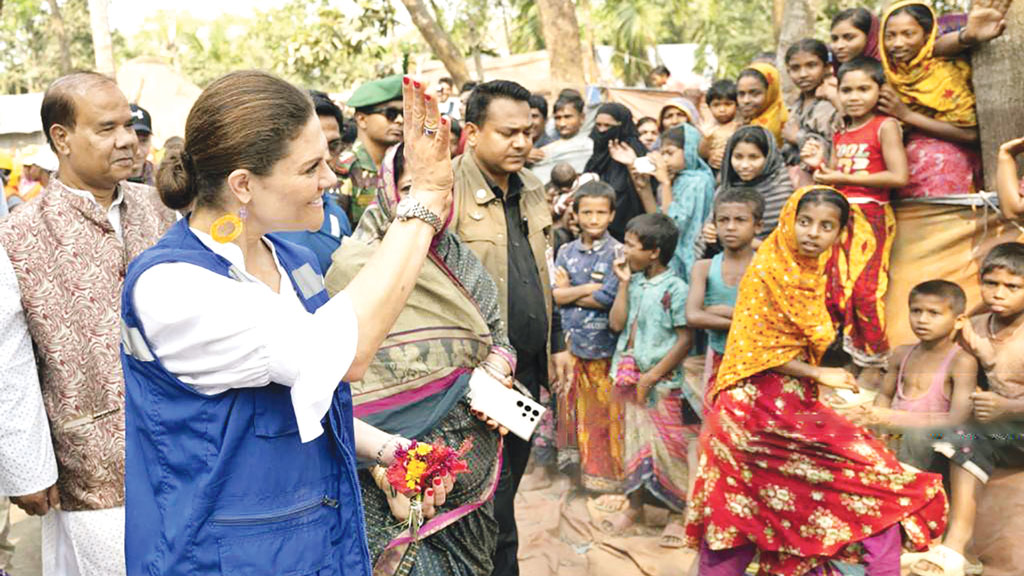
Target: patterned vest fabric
(70, 266)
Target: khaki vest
(479, 220)
(70, 266)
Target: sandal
(619, 522)
(673, 535)
(943, 561)
(610, 503)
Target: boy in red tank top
(868, 160)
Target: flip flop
(610, 503)
(673, 535)
(948, 561)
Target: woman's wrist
(386, 452)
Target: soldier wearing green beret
(378, 116)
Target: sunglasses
(391, 113)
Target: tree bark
(439, 40)
(998, 77)
(797, 23)
(590, 72)
(562, 38)
(57, 20)
(102, 45)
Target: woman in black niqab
(614, 173)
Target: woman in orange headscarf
(933, 99)
(759, 98)
(780, 472)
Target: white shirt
(27, 463)
(217, 333)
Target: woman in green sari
(417, 388)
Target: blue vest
(221, 484)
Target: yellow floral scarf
(775, 115)
(933, 86)
(780, 310)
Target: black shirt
(527, 312)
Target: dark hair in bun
(244, 120)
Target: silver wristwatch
(410, 207)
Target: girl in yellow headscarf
(759, 98)
(932, 97)
(780, 472)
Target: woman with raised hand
(235, 359)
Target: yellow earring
(236, 224)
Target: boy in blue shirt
(585, 288)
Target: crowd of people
(210, 356)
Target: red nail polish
(426, 97)
(437, 481)
(416, 84)
(429, 493)
(444, 120)
(405, 80)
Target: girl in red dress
(780, 472)
(868, 160)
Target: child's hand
(980, 348)
(828, 89)
(889, 103)
(828, 176)
(813, 154)
(621, 268)
(660, 168)
(644, 386)
(837, 378)
(717, 157)
(989, 406)
(622, 152)
(1013, 147)
(710, 233)
(562, 278)
(707, 127)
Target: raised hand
(622, 152)
(1013, 147)
(427, 152)
(986, 20)
(621, 268)
(813, 153)
(889, 103)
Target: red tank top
(859, 151)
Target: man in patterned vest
(63, 258)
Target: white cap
(43, 157)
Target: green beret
(377, 92)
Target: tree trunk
(439, 40)
(57, 20)
(778, 15)
(102, 45)
(797, 23)
(998, 77)
(562, 38)
(590, 72)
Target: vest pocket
(280, 547)
(273, 415)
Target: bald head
(59, 101)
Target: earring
(233, 223)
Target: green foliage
(29, 47)
(309, 42)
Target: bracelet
(493, 371)
(380, 451)
(506, 355)
(960, 38)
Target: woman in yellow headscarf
(759, 98)
(780, 472)
(932, 97)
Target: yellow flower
(424, 449)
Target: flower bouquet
(415, 467)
